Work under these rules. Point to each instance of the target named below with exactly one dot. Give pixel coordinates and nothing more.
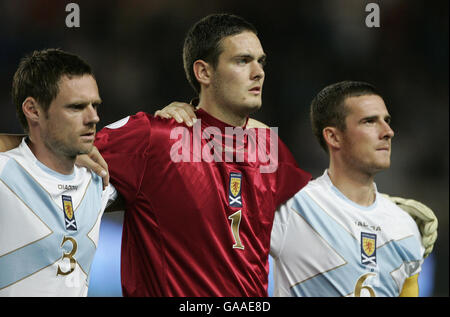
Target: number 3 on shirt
(235, 222)
(69, 256)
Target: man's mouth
(255, 90)
(88, 136)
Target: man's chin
(381, 167)
(253, 108)
(86, 149)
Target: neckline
(209, 120)
(348, 200)
(42, 166)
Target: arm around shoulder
(424, 217)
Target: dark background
(135, 50)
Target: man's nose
(91, 115)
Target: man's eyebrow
(369, 118)
(375, 117)
(244, 55)
(250, 56)
(84, 103)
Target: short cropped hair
(203, 41)
(38, 76)
(328, 106)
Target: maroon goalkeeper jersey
(196, 223)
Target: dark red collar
(209, 120)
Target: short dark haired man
(200, 227)
(50, 208)
(355, 241)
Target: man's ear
(31, 109)
(202, 71)
(332, 136)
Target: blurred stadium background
(135, 49)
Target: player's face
(238, 78)
(367, 139)
(69, 127)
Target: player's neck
(58, 163)
(355, 185)
(222, 112)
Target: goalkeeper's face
(237, 80)
(366, 141)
